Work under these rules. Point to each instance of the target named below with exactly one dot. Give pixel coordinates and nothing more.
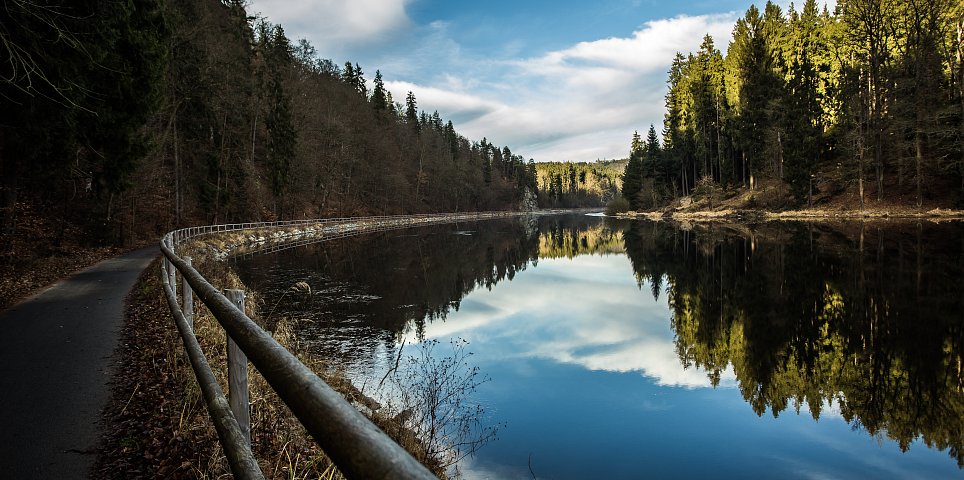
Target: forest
(119, 122)
(864, 103)
(578, 184)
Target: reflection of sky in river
(586, 377)
(587, 312)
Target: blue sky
(555, 81)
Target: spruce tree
(379, 100)
(411, 111)
(633, 174)
(802, 116)
(653, 162)
(282, 137)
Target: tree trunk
(719, 144)
(745, 173)
(860, 164)
(177, 180)
(875, 126)
(861, 124)
(254, 134)
(110, 207)
(960, 88)
(879, 162)
(919, 156)
(779, 155)
(696, 176)
(217, 198)
(919, 116)
(133, 239)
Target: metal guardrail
(356, 446)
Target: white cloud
(648, 49)
(336, 25)
(453, 101)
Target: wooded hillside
(867, 100)
(119, 122)
(579, 184)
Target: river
(601, 348)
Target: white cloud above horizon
(336, 26)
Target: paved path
(54, 369)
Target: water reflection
(865, 318)
(630, 324)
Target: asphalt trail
(55, 367)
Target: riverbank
(773, 202)
(756, 216)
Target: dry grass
(279, 441)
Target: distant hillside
(579, 184)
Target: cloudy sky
(555, 81)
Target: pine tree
(759, 89)
(485, 149)
(705, 72)
(282, 137)
(360, 85)
(411, 111)
(633, 175)
(379, 100)
(452, 140)
(348, 75)
(653, 163)
(802, 117)
(676, 140)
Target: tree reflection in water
(864, 318)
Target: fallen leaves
(147, 433)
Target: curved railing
(358, 447)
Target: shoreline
(935, 215)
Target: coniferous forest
(578, 184)
(864, 102)
(118, 122)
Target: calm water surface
(622, 349)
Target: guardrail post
(172, 275)
(238, 374)
(187, 300)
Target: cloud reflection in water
(587, 311)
